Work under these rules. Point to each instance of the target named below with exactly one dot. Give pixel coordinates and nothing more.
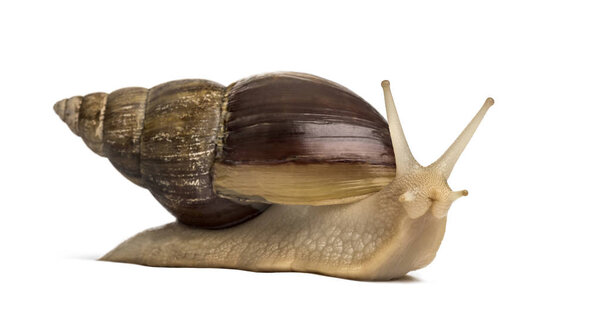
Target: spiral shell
(215, 156)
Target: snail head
(421, 189)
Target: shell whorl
(85, 117)
(122, 130)
(110, 125)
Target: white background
(526, 238)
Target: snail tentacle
(446, 162)
(405, 161)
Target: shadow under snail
(345, 195)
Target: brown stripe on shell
(123, 123)
(292, 117)
(178, 146)
(91, 117)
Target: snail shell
(216, 156)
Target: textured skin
(373, 239)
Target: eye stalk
(405, 161)
(428, 185)
(446, 162)
(457, 194)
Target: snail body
(345, 196)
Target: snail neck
(408, 232)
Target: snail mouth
(440, 209)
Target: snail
(276, 172)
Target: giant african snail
(312, 151)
